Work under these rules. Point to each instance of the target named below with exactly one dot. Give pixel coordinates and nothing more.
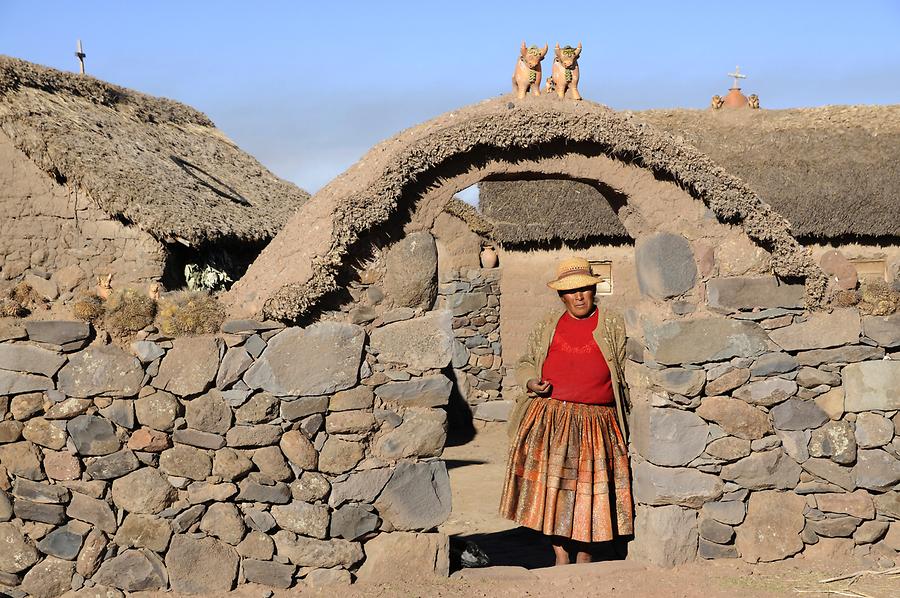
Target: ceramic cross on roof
(737, 75)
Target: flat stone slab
(871, 385)
(201, 566)
(318, 360)
(420, 343)
(57, 332)
(674, 486)
(665, 265)
(668, 436)
(771, 530)
(105, 370)
(884, 330)
(742, 292)
(405, 555)
(189, 367)
(427, 391)
(708, 339)
(417, 497)
(13, 383)
(820, 331)
(30, 360)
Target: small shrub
(24, 295)
(877, 298)
(89, 308)
(846, 298)
(189, 313)
(10, 308)
(128, 311)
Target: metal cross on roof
(737, 75)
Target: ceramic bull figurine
(565, 71)
(527, 75)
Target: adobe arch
(408, 179)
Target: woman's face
(579, 302)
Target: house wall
(889, 252)
(51, 231)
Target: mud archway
(412, 175)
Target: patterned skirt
(568, 473)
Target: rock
(143, 531)
(57, 332)
(6, 509)
(766, 392)
(251, 436)
(310, 552)
(187, 518)
(417, 497)
(22, 459)
(62, 465)
(682, 486)
(298, 449)
(795, 443)
(713, 531)
(93, 435)
(361, 397)
(25, 406)
(771, 530)
(759, 471)
(310, 487)
(668, 436)
(223, 521)
(134, 570)
(494, 411)
(819, 331)
(121, 413)
(876, 470)
(677, 525)
(835, 439)
(711, 550)
(200, 492)
(12, 383)
(104, 370)
(30, 360)
(158, 410)
(248, 326)
(148, 440)
(254, 490)
(884, 330)
(143, 491)
(272, 463)
(665, 265)
(261, 407)
(427, 391)
(208, 413)
(871, 385)
(352, 521)
(338, 456)
(840, 270)
(811, 377)
(350, 422)
(112, 466)
(727, 382)
(10, 331)
(91, 551)
(836, 527)
(147, 351)
(461, 304)
(703, 340)
(68, 408)
(851, 354)
(198, 566)
(257, 545)
(422, 434)
(410, 278)
(735, 417)
(892, 538)
(230, 464)
(832, 402)
(63, 543)
(858, 504)
(730, 512)
(797, 414)
(43, 433)
(327, 577)
(830, 471)
(234, 364)
(402, 554)
(318, 360)
(50, 578)
(302, 407)
(267, 573)
(10, 431)
(186, 462)
(421, 343)
(728, 448)
(870, 532)
(92, 510)
(189, 367)
(872, 430)
(302, 518)
(362, 486)
(679, 381)
(728, 294)
(18, 552)
(40, 512)
(198, 439)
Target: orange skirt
(568, 473)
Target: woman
(568, 468)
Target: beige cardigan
(610, 337)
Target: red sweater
(575, 366)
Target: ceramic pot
(488, 257)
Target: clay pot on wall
(489, 257)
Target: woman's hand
(541, 388)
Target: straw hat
(573, 273)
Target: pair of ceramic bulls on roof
(563, 78)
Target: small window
(871, 269)
(603, 270)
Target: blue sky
(308, 87)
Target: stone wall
(472, 296)
(59, 239)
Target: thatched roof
(524, 211)
(832, 172)
(149, 161)
(309, 257)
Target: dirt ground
(521, 560)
